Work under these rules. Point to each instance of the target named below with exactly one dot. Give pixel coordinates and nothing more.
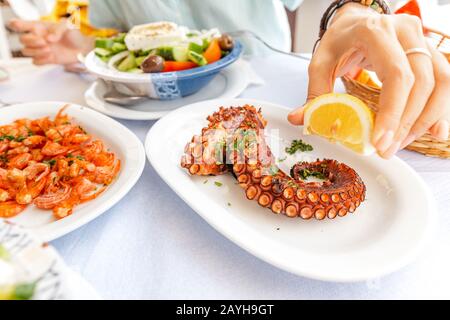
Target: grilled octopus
(234, 142)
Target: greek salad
(162, 47)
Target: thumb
(56, 31)
(321, 81)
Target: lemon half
(343, 119)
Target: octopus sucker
(234, 142)
(265, 199)
(292, 209)
(278, 206)
(253, 192)
(331, 212)
(319, 213)
(306, 212)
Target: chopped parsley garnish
(20, 138)
(292, 184)
(298, 145)
(282, 159)
(218, 184)
(305, 174)
(50, 163)
(7, 137)
(71, 156)
(229, 204)
(3, 158)
(250, 124)
(205, 182)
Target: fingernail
(391, 151)
(409, 139)
(385, 141)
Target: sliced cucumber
(224, 53)
(180, 53)
(140, 59)
(166, 53)
(128, 63)
(120, 38)
(197, 58)
(102, 52)
(104, 43)
(118, 47)
(195, 47)
(146, 53)
(135, 70)
(206, 43)
(105, 59)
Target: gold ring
(419, 51)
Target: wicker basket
(426, 145)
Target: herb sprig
(298, 145)
(305, 174)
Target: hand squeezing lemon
(343, 119)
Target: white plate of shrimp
(60, 169)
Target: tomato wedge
(213, 53)
(170, 66)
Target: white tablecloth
(152, 245)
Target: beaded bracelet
(380, 6)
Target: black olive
(153, 64)
(226, 42)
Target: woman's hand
(415, 94)
(51, 43)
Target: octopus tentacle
(234, 142)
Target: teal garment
(267, 18)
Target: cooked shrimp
(10, 209)
(53, 164)
(20, 161)
(53, 149)
(36, 171)
(51, 200)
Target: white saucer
(230, 83)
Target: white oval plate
(229, 83)
(118, 138)
(386, 232)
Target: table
(151, 245)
